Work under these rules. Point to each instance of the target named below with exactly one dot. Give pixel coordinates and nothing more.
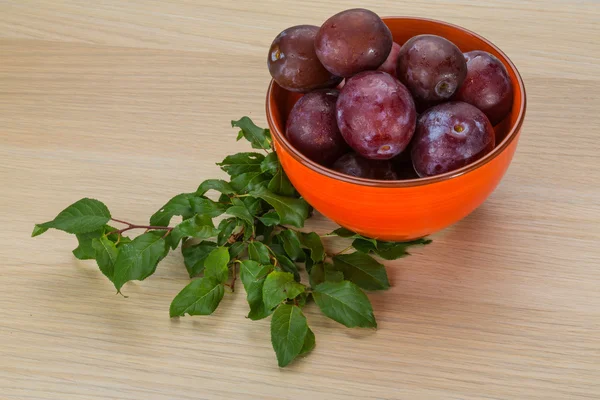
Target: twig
(131, 226)
(234, 277)
(343, 251)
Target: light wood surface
(130, 102)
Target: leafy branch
(252, 226)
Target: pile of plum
(375, 109)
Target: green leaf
(85, 250)
(280, 286)
(137, 260)
(308, 262)
(364, 246)
(207, 208)
(253, 277)
(226, 228)
(184, 204)
(291, 244)
(363, 270)
(345, 303)
(291, 211)
(106, 255)
(259, 311)
(309, 343)
(236, 249)
(395, 250)
(85, 215)
(214, 184)
(242, 163)
(216, 263)
(302, 299)
(288, 332)
(264, 232)
(288, 265)
(249, 181)
(242, 213)
(258, 252)
(259, 138)
(312, 242)
(270, 164)
(201, 297)
(324, 272)
(248, 231)
(280, 184)
(195, 256)
(386, 250)
(254, 205)
(193, 227)
(270, 219)
(348, 234)
(38, 230)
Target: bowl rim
(510, 137)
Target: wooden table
(130, 102)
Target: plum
(450, 136)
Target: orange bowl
(407, 209)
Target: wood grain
(130, 102)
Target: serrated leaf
(259, 138)
(242, 213)
(226, 229)
(254, 205)
(270, 164)
(85, 250)
(214, 184)
(345, 303)
(253, 277)
(85, 215)
(363, 270)
(288, 265)
(194, 256)
(280, 184)
(280, 286)
(259, 311)
(242, 163)
(258, 252)
(224, 199)
(309, 343)
(249, 181)
(343, 232)
(395, 250)
(288, 332)
(270, 219)
(193, 227)
(313, 243)
(364, 246)
(291, 211)
(348, 234)
(236, 249)
(291, 244)
(216, 264)
(308, 262)
(302, 299)
(324, 272)
(207, 208)
(106, 254)
(186, 205)
(386, 250)
(264, 232)
(137, 260)
(38, 230)
(201, 297)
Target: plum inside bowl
(403, 209)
